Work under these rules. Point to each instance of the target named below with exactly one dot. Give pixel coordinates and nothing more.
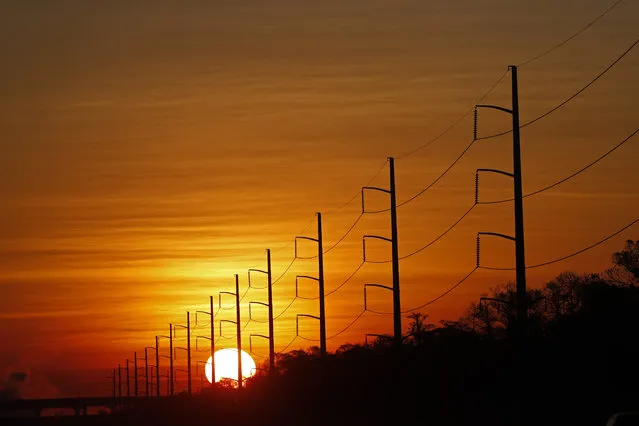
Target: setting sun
(226, 365)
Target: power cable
(430, 302)
(557, 46)
(550, 262)
(567, 178)
(579, 92)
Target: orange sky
(150, 153)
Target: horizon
(152, 153)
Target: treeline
(579, 365)
(581, 361)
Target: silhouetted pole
(114, 385)
(119, 381)
(157, 366)
(320, 281)
(212, 343)
(397, 315)
(171, 380)
(239, 332)
(520, 255)
(322, 309)
(146, 372)
(188, 350)
(135, 373)
(271, 336)
(128, 385)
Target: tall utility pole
(146, 372)
(212, 342)
(157, 366)
(397, 315)
(211, 313)
(114, 385)
(119, 381)
(271, 335)
(269, 305)
(320, 281)
(522, 308)
(135, 373)
(128, 385)
(522, 302)
(170, 383)
(394, 240)
(239, 332)
(188, 350)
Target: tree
(626, 265)
(418, 329)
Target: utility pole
(211, 313)
(271, 335)
(239, 332)
(135, 373)
(397, 315)
(119, 381)
(146, 372)
(212, 343)
(188, 350)
(128, 386)
(157, 366)
(172, 381)
(394, 240)
(114, 385)
(269, 306)
(520, 255)
(320, 281)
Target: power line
(287, 346)
(430, 302)
(285, 271)
(357, 194)
(579, 92)
(567, 178)
(440, 236)
(550, 262)
(285, 309)
(346, 280)
(455, 123)
(352, 323)
(557, 46)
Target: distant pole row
(521, 301)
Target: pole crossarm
(255, 303)
(223, 321)
(308, 277)
(491, 234)
(385, 287)
(372, 188)
(315, 240)
(376, 237)
(297, 321)
(219, 302)
(251, 340)
(201, 312)
(501, 172)
(255, 271)
(496, 234)
(499, 108)
(197, 338)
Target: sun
(226, 365)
